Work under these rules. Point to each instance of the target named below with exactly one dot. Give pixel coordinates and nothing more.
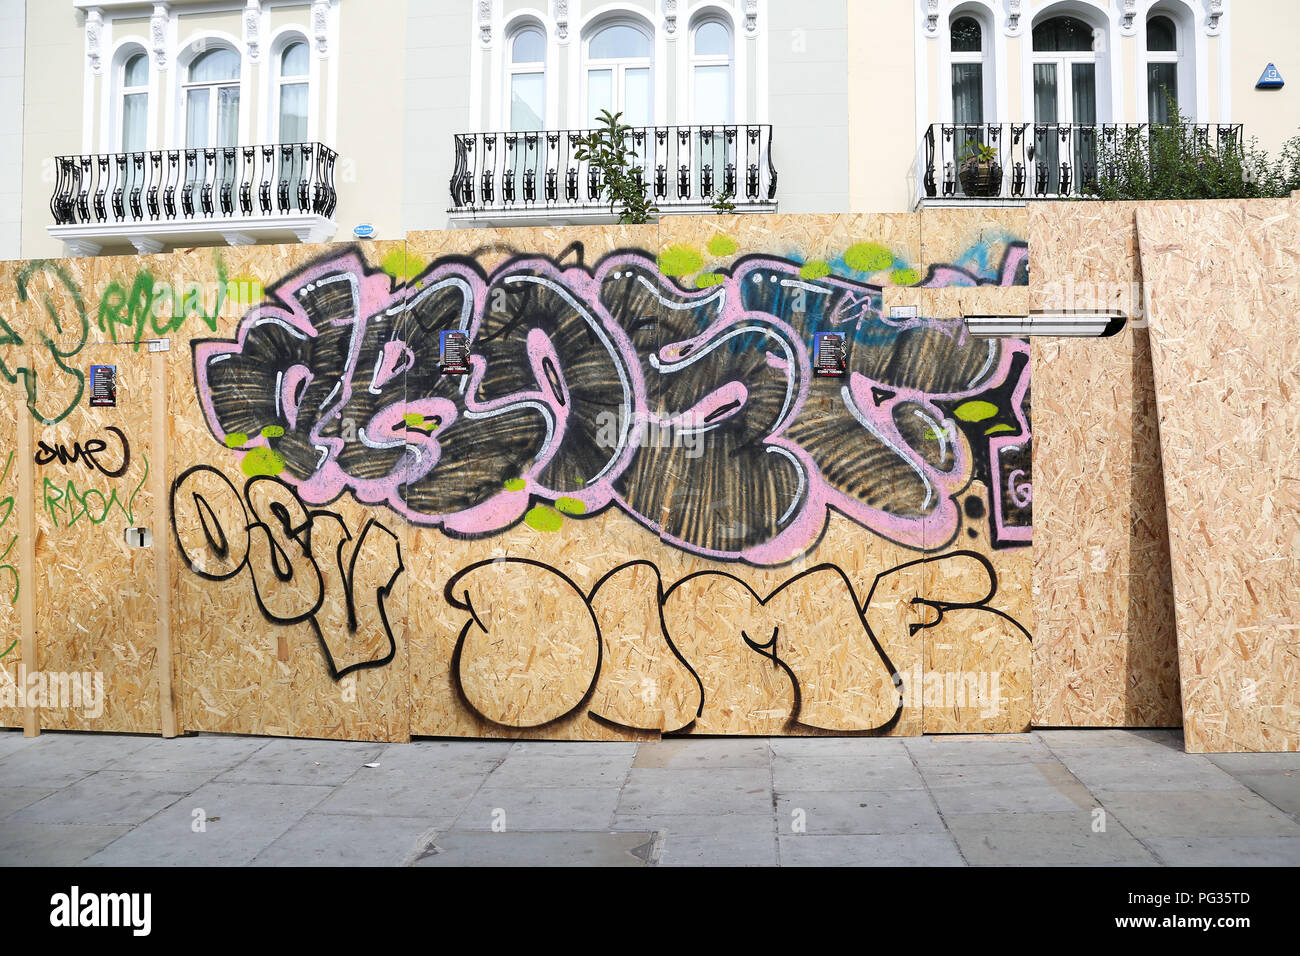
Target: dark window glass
(966, 35)
(1161, 35)
(1063, 35)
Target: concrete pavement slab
(910, 849)
(205, 753)
(981, 749)
(994, 798)
(1043, 839)
(111, 797)
(1145, 770)
(1202, 813)
(522, 770)
(337, 839)
(686, 792)
(238, 821)
(1227, 851)
(13, 799)
(837, 746)
(753, 826)
(1169, 739)
(549, 809)
(723, 848)
(476, 848)
(400, 794)
(682, 753)
(830, 812)
(885, 772)
(52, 844)
(1279, 787)
(323, 762)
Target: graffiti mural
(637, 511)
(333, 385)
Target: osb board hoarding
(1224, 279)
(1104, 649)
(639, 513)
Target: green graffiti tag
(60, 351)
(95, 506)
(158, 305)
(7, 507)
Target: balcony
(1036, 160)
(532, 178)
(238, 195)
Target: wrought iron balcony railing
(1035, 160)
(680, 166)
(175, 185)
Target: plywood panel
(1104, 653)
(14, 512)
(296, 627)
(1224, 279)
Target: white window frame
(280, 81)
(513, 69)
(619, 68)
(1065, 61)
(984, 57)
(189, 51)
(728, 60)
(128, 52)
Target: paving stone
(110, 797)
(1256, 763)
(476, 848)
(12, 740)
(1227, 851)
(323, 762)
(911, 849)
(1204, 813)
(399, 794)
(1279, 787)
(837, 746)
(724, 848)
(522, 770)
(884, 772)
(575, 748)
(13, 799)
(1170, 739)
(827, 812)
(686, 792)
(755, 826)
(994, 798)
(1145, 770)
(547, 809)
(336, 839)
(1043, 839)
(980, 749)
(52, 844)
(718, 752)
(242, 819)
(205, 753)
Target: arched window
(967, 71)
(527, 79)
(618, 78)
(712, 83)
(1162, 68)
(133, 117)
(1065, 60)
(212, 99)
(293, 92)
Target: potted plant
(981, 174)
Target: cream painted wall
(1263, 32)
(52, 117)
(882, 105)
(12, 36)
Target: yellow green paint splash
(272, 431)
(814, 269)
(402, 265)
(905, 277)
(542, 518)
(515, 484)
(868, 257)
(236, 439)
(975, 411)
(708, 279)
(722, 246)
(680, 261)
(570, 506)
(261, 461)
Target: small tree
(622, 184)
(1178, 161)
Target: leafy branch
(622, 182)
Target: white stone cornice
(253, 29)
(932, 17)
(95, 39)
(485, 22)
(1127, 17)
(320, 25)
(751, 17)
(670, 17)
(562, 20)
(158, 34)
(1013, 17)
(1213, 11)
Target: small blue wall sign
(1270, 79)
(364, 231)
